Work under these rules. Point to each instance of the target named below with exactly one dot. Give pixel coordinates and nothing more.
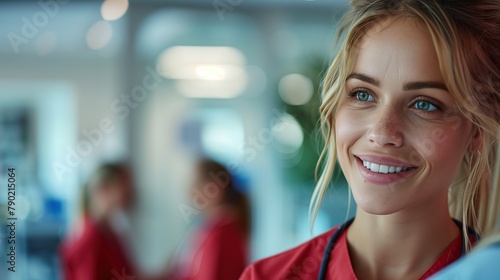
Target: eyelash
(352, 95)
(433, 103)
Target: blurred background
(157, 84)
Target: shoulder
(292, 264)
(224, 227)
(81, 240)
(480, 264)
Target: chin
(375, 205)
(377, 210)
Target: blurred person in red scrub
(95, 249)
(217, 248)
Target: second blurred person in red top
(217, 248)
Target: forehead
(400, 49)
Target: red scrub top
(218, 251)
(93, 252)
(304, 261)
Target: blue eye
(364, 96)
(425, 106)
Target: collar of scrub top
(336, 234)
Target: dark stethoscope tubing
(336, 234)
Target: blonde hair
(494, 236)
(466, 35)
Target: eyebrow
(407, 86)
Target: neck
(218, 210)
(402, 245)
(102, 216)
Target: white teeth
(383, 169)
(380, 168)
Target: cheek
(443, 149)
(348, 129)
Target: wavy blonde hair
(494, 236)
(466, 36)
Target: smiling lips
(381, 170)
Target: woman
(94, 249)
(218, 248)
(410, 109)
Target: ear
(476, 140)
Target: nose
(386, 128)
